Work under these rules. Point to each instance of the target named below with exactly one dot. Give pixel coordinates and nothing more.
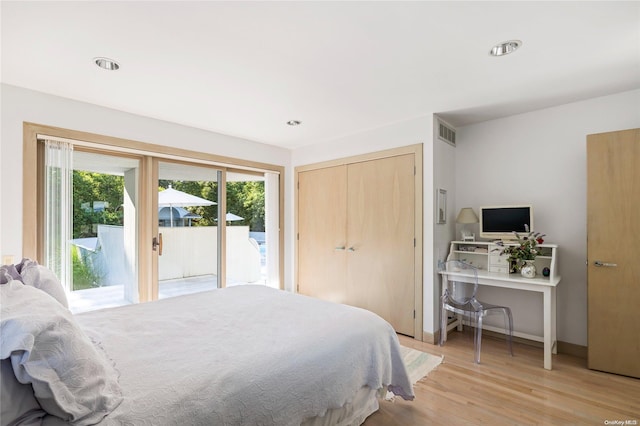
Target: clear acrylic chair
(459, 297)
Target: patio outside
(113, 295)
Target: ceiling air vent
(446, 133)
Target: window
(121, 244)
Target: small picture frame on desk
(441, 206)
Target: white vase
(528, 270)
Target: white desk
(514, 281)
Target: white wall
(19, 105)
(444, 171)
(537, 157)
(400, 134)
(540, 158)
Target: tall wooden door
(613, 233)
(322, 233)
(380, 249)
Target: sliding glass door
(192, 199)
(252, 212)
(245, 236)
(124, 222)
(188, 238)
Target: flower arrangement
(526, 249)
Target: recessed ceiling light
(294, 122)
(505, 48)
(107, 64)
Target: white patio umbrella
(173, 198)
(230, 217)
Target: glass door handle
(157, 244)
(599, 263)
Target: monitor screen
(502, 221)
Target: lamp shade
(467, 215)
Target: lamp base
(467, 236)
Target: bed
(245, 355)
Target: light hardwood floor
(510, 391)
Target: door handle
(600, 264)
(157, 244)
(351, 249)
(339, 248)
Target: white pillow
(43, 278)
(71, 379)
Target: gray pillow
(71, 378)
(8, 273)
(42, 278)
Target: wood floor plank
(505, 390)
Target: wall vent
(446, 133)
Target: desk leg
(549, 321)
(554, 330)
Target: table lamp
(466, 216)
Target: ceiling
(245, 68)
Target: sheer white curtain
(58, 212)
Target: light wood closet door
(380, 239)
(322, 221)
(613, 232)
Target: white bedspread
(246, 355)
